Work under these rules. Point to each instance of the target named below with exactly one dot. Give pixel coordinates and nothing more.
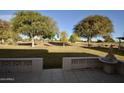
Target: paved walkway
(72, 76)
(79, 76)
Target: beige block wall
(79, 62)
(37, 65)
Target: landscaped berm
(33, 49)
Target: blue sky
(66, 19)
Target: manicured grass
(115, 50)
(20, 53)
(54, 60)
(51, 60)
(53, 55)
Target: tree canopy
(93, 26)
(50, 28)
(73, 38)
(4, 28)
(108, 39)
(63, 37)
(33, 24)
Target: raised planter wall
(17, 65)
(120, 68)
(80, 62)
(70, 63)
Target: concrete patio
(79, 76)
(70, 76)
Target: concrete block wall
(80, 62)
(33, 64)
(70, 63)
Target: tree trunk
(2, 41)
(63, 44)
(88, 40)
(119, 46)
(33, 42)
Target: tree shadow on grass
(20, 53)
(54, 60)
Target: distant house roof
(122, 38)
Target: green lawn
(115, 50)
(51, 60)
(53, 55)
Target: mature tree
(93, 26)
(4, 28)
(14, 36)
(73, 38)
(63, 37)
(50, 27)
(33, 24)
(108, 39)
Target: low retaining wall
(22, 64)
(120, 68)
(80, 62)
(20, 69)
(92, 62)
